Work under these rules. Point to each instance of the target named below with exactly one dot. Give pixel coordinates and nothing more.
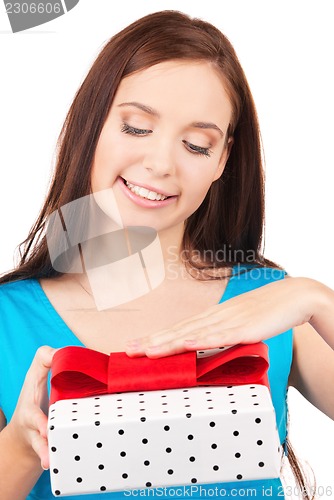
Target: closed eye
(128, 129)
(197, 150)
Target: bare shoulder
(312, 370)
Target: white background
(286, 49)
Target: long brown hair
(232, 214)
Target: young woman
(164, 126)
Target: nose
(159, 159)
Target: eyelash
(192, 148)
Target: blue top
(28, 320)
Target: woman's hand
(248, 318)
(29, 422)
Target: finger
(208, 337)
(40, 447)
(182, 327)
(40, 365)
(139, 347)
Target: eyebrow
(153, 112)
(143, 107)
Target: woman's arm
(250, 317)
(300, 303)
(312, 370)
(23, 442)
(20, 467)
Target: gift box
(153, 437)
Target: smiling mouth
(145, 193)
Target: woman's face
(163, 143)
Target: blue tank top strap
(247, 277)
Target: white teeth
(145, 193)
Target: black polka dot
(259, 442)
(123, 454)
(188, 415)
(99, 445)
(51, 427)
(75, 436)
(190, 437)
(170, 471)
(234, 412)
(261, 464)
(237, 455)
(239, 476)
(103, 488)
(53, 448)
(166, 428)
(124, 476)
(101, 466)
(97, 422)
(144, 441)
(57, 492)
(215, 467)
(258, 420)
(79, 479)
(143, 419)
(168, 450)
(194, 480)
(121, 432)
(213, 446)
(192, 459)
(148, 484)
(55, 471)
(77, 458)
(146, 462)
(212, 424)
(236, 433)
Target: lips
(144, 195)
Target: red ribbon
(78, 372)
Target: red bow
(78, 372)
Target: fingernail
(190, 342)
(132, 345)
(153, 348)
(45, 468)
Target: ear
(223, 159)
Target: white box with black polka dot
(163, 438)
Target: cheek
(110, 159)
